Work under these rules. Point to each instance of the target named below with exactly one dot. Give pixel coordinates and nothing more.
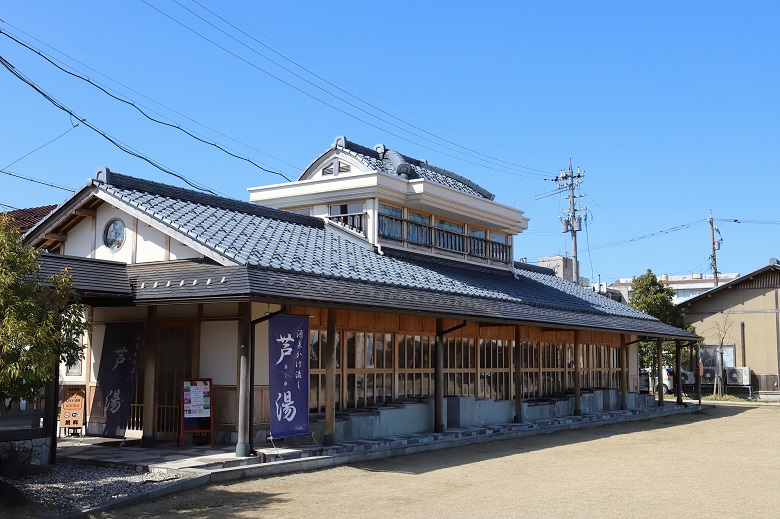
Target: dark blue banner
(115, 380)
(288, 347)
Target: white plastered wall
(261, 342)
(151, 244)
(80, 238)
(143, 243)
(219, 351)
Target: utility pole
(571, 222)
(715, 247)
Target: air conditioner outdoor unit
(738, 376)
(687, 378)
(709, 375)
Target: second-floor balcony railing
(352, 221)
(416, 234)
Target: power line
(39, 147)
(631, 238)
(362, 89)
(338, 87)
(10, 207)
(131, 103)
(37, 181)
(326, 103)
(97, 130)
(249, 146)
(739, 220)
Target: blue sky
(671, 108)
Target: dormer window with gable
(398, 202)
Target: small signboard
(72, 409)
(196, 415)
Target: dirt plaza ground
(723, 461)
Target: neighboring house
(25, 219)
(740, 325)
(685, 287)
(407, 267)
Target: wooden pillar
(330, 379)
(243, 448)
(577, 381)
(518, 376)
(677, 368)
(439, 425)
(623, 373)
(150, 379)
(659, 378)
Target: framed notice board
(196, 415)
(72, 410)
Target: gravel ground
(70, 487)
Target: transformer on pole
(571, 221)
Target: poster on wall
(115, 380)
(288, 347)
(196, 416)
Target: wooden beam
(518, 358)
(623, 373)
(150, 378)
(330, 379)
(85, 212)
(659, 376)
(439, 425)
(577, 382)
(53, 236)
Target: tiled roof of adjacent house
(25, 219)
(327, 264)
(395, 163)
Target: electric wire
(331, 105)
(366, 91)
(631, 239)
(39, 147)
(740, 220)
(131, 103)
(10, 207)
(373, 106)
(249, 146)
(8, 66)
(35, 180)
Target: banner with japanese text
(288, 346)
(115, 380)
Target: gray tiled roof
(274, 246)
(418, 169)
(95, 280)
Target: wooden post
(577, 382)
(659, 379)
(150, 376)
(677, 368)
(244, 412)
(439, 425)
(623, 373)
(518, 376)
(330, 380)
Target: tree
(654, 298)
(42, 320)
